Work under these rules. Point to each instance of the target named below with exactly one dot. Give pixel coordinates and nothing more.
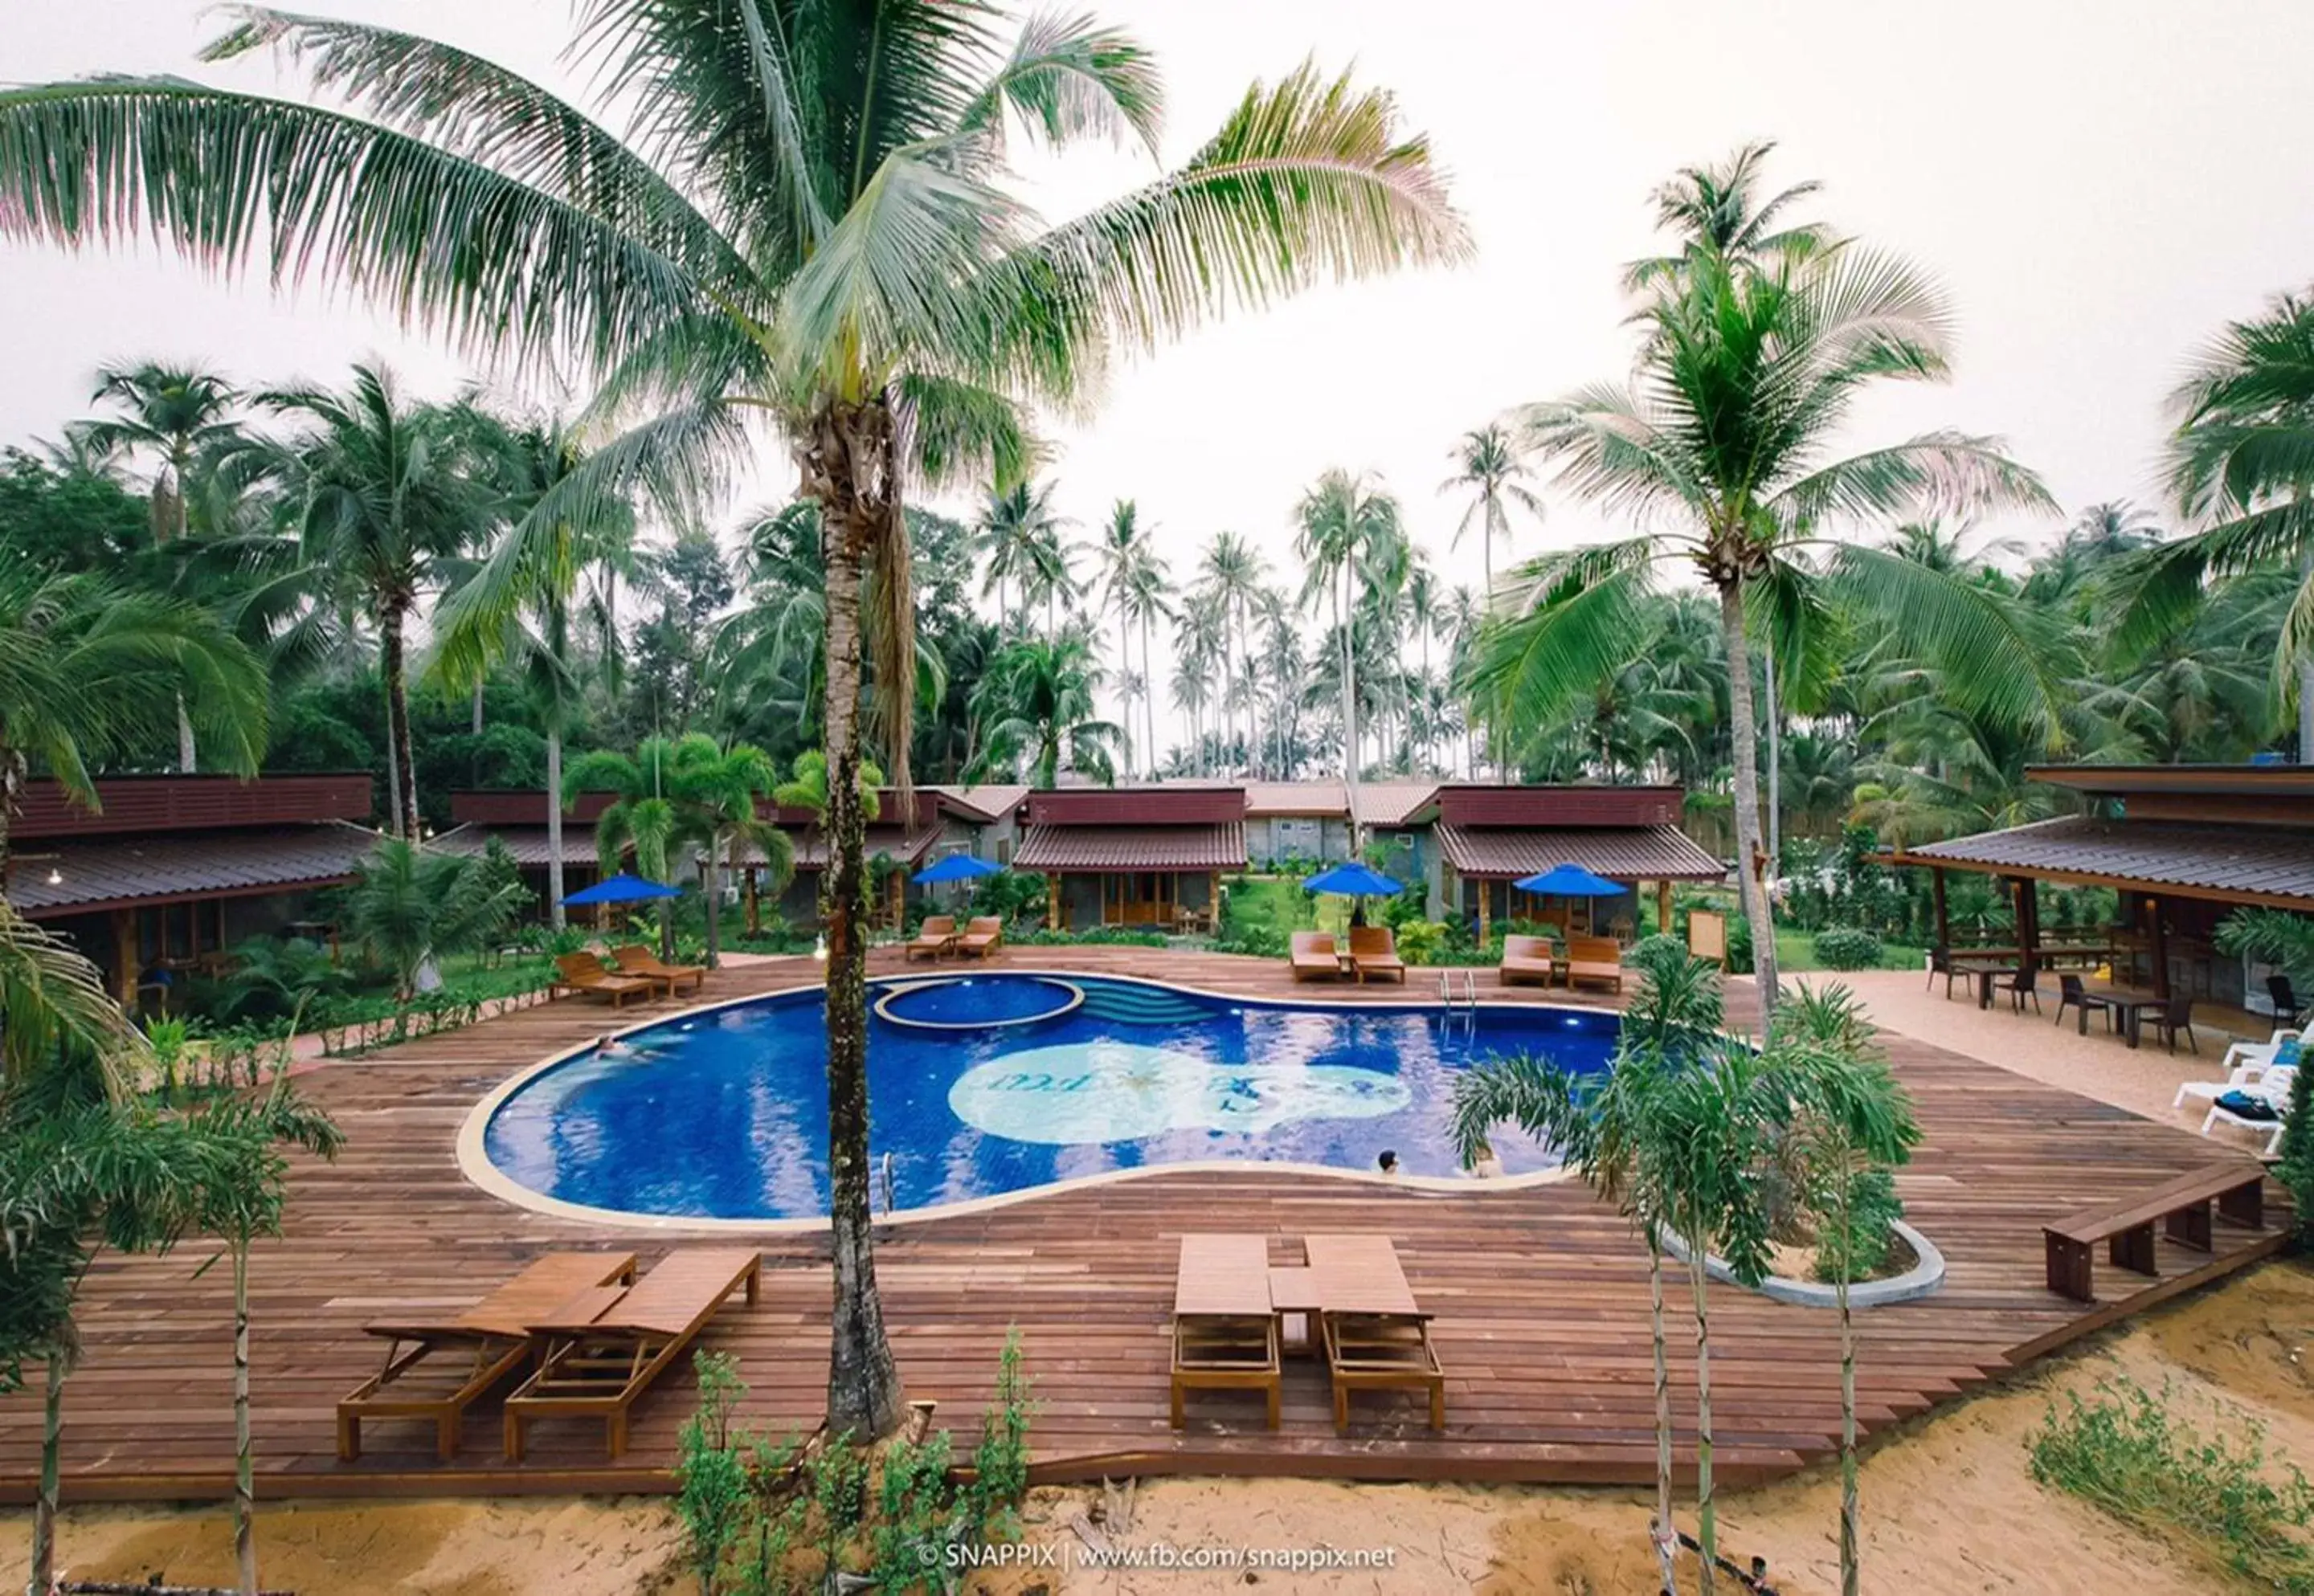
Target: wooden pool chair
(1526, 959)
(1374, 951)
(584, 972)
(982, 936)
(436, 1368)
(1225, 1333)
(1594, 961)
(1376, 1335)
(635, 959)
(1313, 956)
(935, 937)
(604, 1349)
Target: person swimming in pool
(1388, 1162)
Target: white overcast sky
(2100, 183)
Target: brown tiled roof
(118, 873)
(1390, 803)
(811, 847)
(1618, 852)
(1296, 797)
(1220, 846)
(527, 843)
(2241, 863)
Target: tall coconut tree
(1039, 702)
(1344, 522)
(805, 222)
(1491, 470)
(1019, 538)
(2241, 461)
(1229, 574)
(1727, 439)
(1144, 597)
(386, 495)
(1120, 551)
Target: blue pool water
(726, 1114)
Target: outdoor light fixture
(819, 948)
(56, 876)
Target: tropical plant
(1849, 1121)
(409, 907)
(1489, 469)
(2242, 459)
(386, 494)
(1610, 1129)
(91, 672)
(1024, 553)
(1750, 363)
(808, 224)
(1037, 703)
(1344, 527)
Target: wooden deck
(1541, 1298)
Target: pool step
(1134, 1005)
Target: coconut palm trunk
(245, 1471)
(556, 914)
(44, 1511)
(392, 661)
(1706, 1511)
(1746, 731)
(851, 447)
(711, 886)
(1666, 1533)
(1851, 1511)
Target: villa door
(1144, 897)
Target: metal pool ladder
(1461, 1012)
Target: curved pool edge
(474, 1161)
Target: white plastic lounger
(2273, 1090)
(2268, 1081)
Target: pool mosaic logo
(1119, 1091)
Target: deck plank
(1540, 1296)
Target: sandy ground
(1949, 1503)
(1949, 1507)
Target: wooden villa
(1134, 856)
(169, 872)
(2183, 845)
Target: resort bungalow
(2183, 845)
(974, 820)
(1482, 838)
(517, 819)
(157, 884)
(1134, 856)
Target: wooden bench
(2180, 1206)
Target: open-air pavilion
(2183, 845)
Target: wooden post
(2160, 949)
(1053, 901)
(899, 899)
(1936, 893)
(754, 903)
(1486, 910)
(1213, 899)
(124, 957)
(2028, 923)
(1663, 908)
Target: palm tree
(177, 414)
(2242, 458)
(1230, 572)
(808, 225)
(1488, 467)
(387, 494)
(720, 788)
(1607, 1127)
(1146, 598)
(1748, 368)
(409, 907)
(1040, 700)
(1020, 538)
(519, 601)
(1717, 212)
(1342, 525)
(90, 672)
(1121, 553)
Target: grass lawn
(1279, 903)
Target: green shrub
(1098, 936)
(1652, 955)
(1000, 1463)
(2294, 1167)
(1873, 1209)
(1739, 943)
(2214, 1500)
(711, 1494)
(1842, 947)
(1423, 942)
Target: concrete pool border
(902, 987)
(474, 1161)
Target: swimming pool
(988, 1084)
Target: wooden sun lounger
(604, 1349)
(982, 936)
(1526, 959)
(584, 972)
(1594, 961)
(635, 959)
(1313, 956)
(1374, 951)
(1376, 1335)
(935, 937)
(1224, 1333)
(492, 1339)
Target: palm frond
(1069, 77)
(1994, 656)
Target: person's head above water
(1388, 1161)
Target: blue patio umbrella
(956, 867)
(1353, 879)
(1570, 881)
(623, 889)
